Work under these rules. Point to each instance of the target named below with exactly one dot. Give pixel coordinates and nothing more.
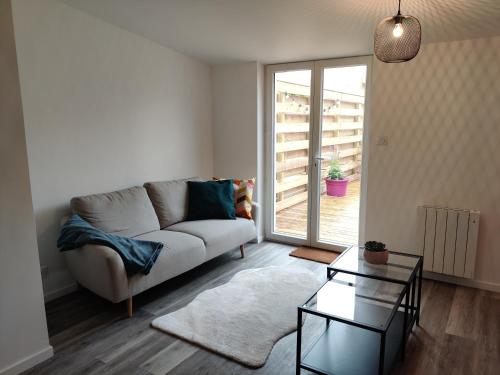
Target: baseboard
(28, 362)
(478, 284)
(53, 294)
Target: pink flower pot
(376, 257)
(336, 188)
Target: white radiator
(447, 238)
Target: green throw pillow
(211, 200)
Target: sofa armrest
(100, 269)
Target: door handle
(316, 159)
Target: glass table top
(399, 266)
(357, 299)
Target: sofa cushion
(211, 200)
(170, 199)
(243, 193)
(219, 236)
(127, 212)
(181, 252)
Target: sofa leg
(129, 306)
(242, 250)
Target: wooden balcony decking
(339, 217)
(341, 138)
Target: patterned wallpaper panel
(441, 113)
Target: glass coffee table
(367, 313)
(401, 268)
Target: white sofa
(154, 212)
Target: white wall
(23, 329)
(238, 123)
(441, 113)
(235, 119)
(104, 109)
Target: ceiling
(270, 31)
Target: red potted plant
(336, 184)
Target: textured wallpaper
(441, 113)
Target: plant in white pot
(336, 184)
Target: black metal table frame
(409, 287)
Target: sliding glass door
(315, 130)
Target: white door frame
(270, 154)
(319, 67)
(316, 67)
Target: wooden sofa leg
(129, 306)
(242, 250)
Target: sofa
(156, 211)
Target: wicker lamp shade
(397, 39)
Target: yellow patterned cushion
(243, 192)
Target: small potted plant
(375, 252)
(336, 184)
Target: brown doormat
(316, 255)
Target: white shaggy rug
(244, 318)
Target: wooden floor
(339, 217)
(459, 333)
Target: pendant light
(397, 39)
